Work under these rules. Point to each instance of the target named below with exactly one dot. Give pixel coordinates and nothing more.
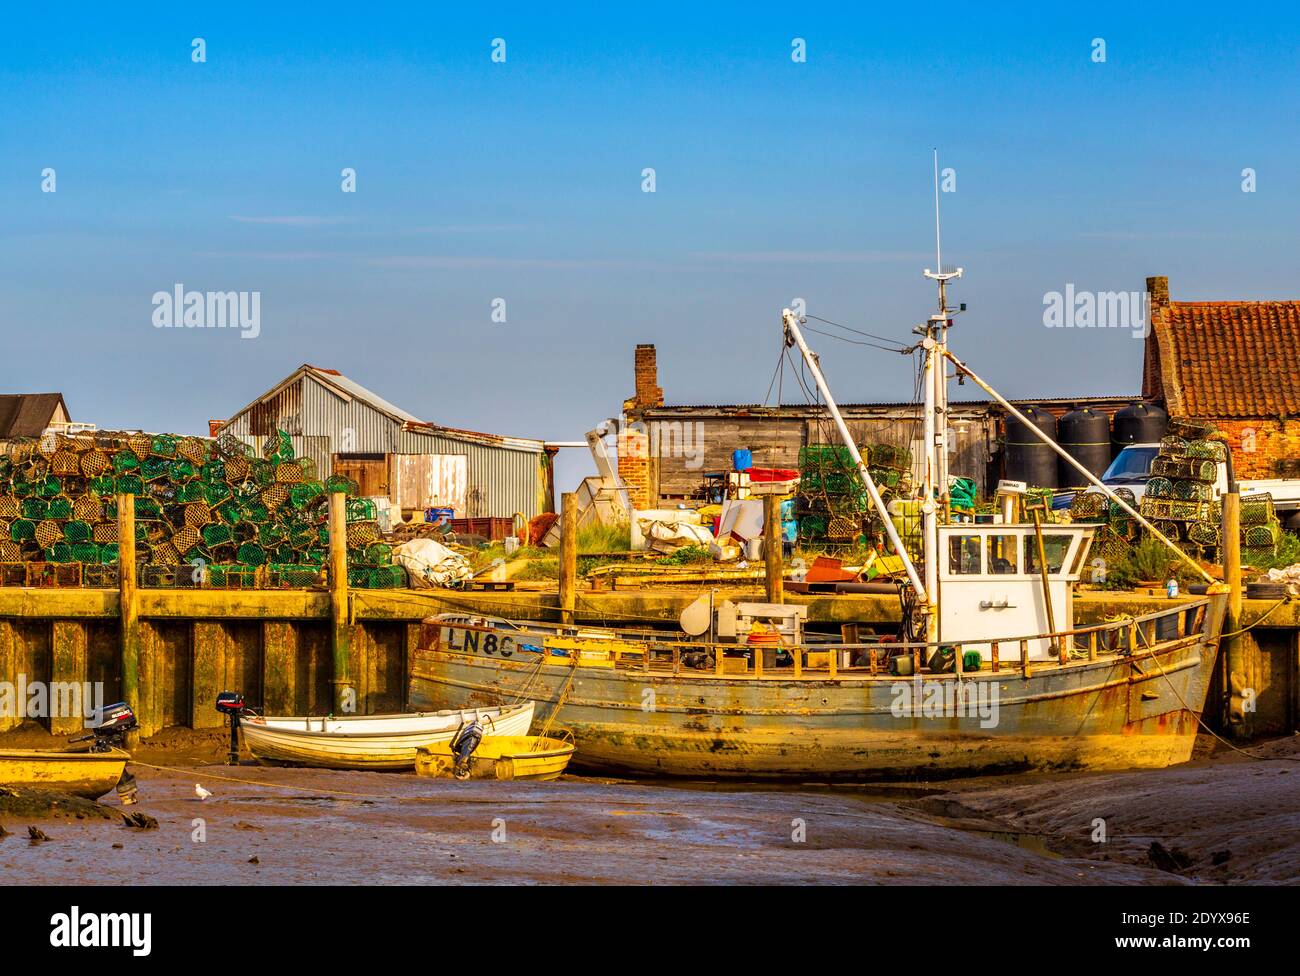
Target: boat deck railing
(1157, 632)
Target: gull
(200, 792)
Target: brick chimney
(648, 393)
(1158, 290)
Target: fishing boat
(503, 757)
(371, 741)
(86, 774)
(990, 672)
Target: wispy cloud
(1155, 235)
(808, 257)
(491, 263)
(289, 221)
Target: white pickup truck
(1131, 469)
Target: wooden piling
(341, 636)
(1230, 533)
(568, 557)
(129, 613)
(772, 548)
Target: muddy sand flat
(298, 826)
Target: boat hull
(520, 757)
(333, 749)
(85, 774)
(1114, 713)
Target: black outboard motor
(231, 703)
(112, 723)
(463, 746)
(111, 726)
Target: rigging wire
(847, 328)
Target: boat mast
(791, 322)
(934, 497)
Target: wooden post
(772, 548)
(1230, 533)
(1092, 645)
(129, 610)
(993, 654)
(568, 557)
(1024, 659)
(1047, 587)
(341, 632)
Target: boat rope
(1258, 620)
(559, 701)
(1200, 720)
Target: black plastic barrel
(1138, 423)
(1085, 435)
(1027, 458)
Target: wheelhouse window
(964, 555)
(1057, 547)
(1003, 556)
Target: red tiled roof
(1225, 359)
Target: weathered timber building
(348, 430)
(30, 414)
(665, 451)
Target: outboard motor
(112, 723)
(463, 746)
(231, 704)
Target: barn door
(370, 471)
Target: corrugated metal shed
(327, 414)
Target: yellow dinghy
(505, 757)
(88, 774)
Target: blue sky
(522, 180)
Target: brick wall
(634, 463)
(1257, 444)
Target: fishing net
(192, 450)
(1160, 488)
(361, 510)
(1257, 510)
(288, 473)
(1189, 429)
(65, 462)
(1207, 450)
(77, 531)
(342, 483)
(203, 501)
(48, 533)
(1193, 491)
(362, 534)
(186, 539)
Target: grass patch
(605, 538)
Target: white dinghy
(371, 741)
